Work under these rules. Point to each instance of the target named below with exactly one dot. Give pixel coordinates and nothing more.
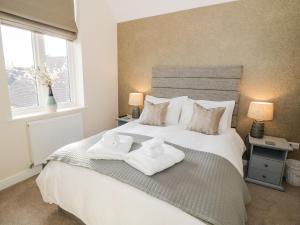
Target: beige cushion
(204, 120)
(154, 114)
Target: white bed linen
(101, 200)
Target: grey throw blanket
(203, 185)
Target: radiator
(48, 135)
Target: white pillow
(174, 108)
(186, 112)
(225, 122)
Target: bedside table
(267, 161)
(125, 119)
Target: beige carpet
(22, 205)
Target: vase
(51, 102)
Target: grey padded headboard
(216, 83)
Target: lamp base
(257, 129)
(136, 112)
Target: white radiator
(48, 135)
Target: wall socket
(294, 145)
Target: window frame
(38, 51)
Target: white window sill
(46, 115)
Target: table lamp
(260, 112)
(136, 100)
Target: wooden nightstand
(125, 119)
(267, 161)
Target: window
(24, 50)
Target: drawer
(264, 175)
(266, 164)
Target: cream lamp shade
(136, 99)
(261, 111)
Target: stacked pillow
(204, 120)
(225, 120)
(209, 117)
(171, 117)
(154, 114)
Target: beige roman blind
(53, 17)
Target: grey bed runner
(203, 185)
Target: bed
(98, 199)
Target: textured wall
(261, 35)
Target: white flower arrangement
(45, 76)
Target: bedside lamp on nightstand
(260, 112)
(136, 100)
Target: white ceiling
(124, 10)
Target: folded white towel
(148, 165)
(109, 150)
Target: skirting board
(12, 180)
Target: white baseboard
(12, 180)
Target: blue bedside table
(267, 161)
(125, 119)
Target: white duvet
(101, 200)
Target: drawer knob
(264, 176)
(266, 165)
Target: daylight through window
(24, 50)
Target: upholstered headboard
(217, 83)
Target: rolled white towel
(111, 139)
(154, 142)
(140, 159)
(117, 152)
(154, 147)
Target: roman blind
(53, 17)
